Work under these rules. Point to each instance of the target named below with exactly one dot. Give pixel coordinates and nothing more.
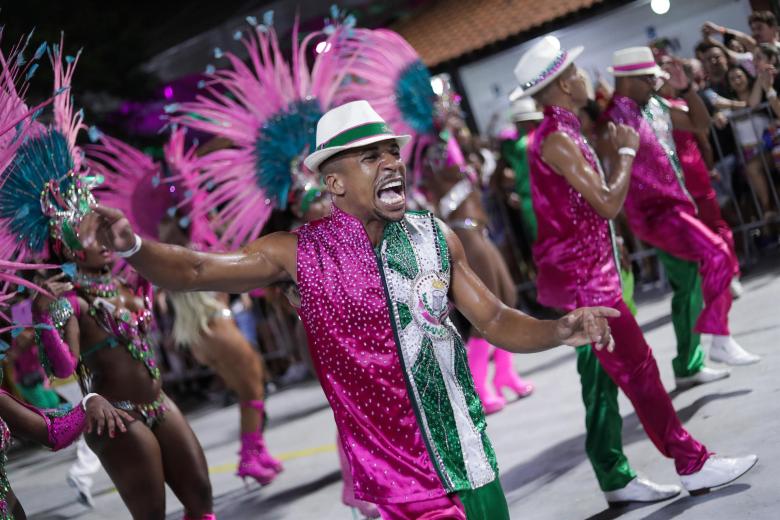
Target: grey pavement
(539, 440)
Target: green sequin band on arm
(60, 311)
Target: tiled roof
(446, 29)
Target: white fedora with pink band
(635, 61)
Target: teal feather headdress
(42, 196)
(44, 191)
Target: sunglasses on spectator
(651, 80)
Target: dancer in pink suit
(576, 258)
(659, 208)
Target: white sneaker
(724, 349)
(737, 289)
(717, 471)
(703, 376)
(641, 490)
(84, 492)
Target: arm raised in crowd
(710, 28)
(265, 261)
(696, 118)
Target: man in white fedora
(375, 284)
(661, 212)
(576, 263)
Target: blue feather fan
(415, 97)
(38, 161)
(282, 140)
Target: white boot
(725, 349)
(703, 376)
(717, 471)
(641, 490)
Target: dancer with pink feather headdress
(268, 111)
(54, 429)
(100, 329)
(158, 205)
(391, 76)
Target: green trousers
(603, 423)
(687, 303)
(485, 503)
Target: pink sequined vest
(575, 249)
(345, 312)
(656, 185)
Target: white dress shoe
(736, 288)
(703, 376)
(717, 471)
(725, 349)
(641, 490)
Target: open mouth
(392, 194)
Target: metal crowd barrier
(767, 139)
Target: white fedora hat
(541, 64)
(635, 61)
(524, 109)
(350, 125)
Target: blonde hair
(194, 311)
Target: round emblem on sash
(429, 303)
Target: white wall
(488, 82)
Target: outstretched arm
(565, 158)
(265, 261)
(509, 328)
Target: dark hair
(750, 79)
(766, 17)
(704, 46)
(593, 110)
(728, 38)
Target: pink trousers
(685, 236)
(633, 368)
(448, 507)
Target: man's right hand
(108, 227)
(623, 136)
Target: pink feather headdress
(267, 109)
(147, 190)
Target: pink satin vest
(574, 250)
(655, 185)
(345, 312)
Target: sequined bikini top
(126, 327)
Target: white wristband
(627, 151)
(771, 93)
(133, 250)
(87, 398)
